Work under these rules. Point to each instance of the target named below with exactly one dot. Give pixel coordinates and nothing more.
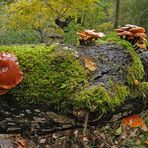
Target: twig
(85, 123)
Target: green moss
(98, 98)
(50, 75)
(144, 87)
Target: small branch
(85, 123)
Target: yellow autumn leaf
(89, 64)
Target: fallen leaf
(89, 64)
(118, 131)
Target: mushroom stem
(135, 40)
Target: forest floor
(109, 136)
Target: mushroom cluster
(87, 37)
(134, 34)
(10, 73)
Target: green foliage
(18, 37)
(70, 36)
(134, 12)
(41, 15)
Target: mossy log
(57, 85)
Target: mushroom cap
(3, 91)
(137, 30)
(131, 26)
(90, 34)
(119, 30)
(125, 33)
(125, 28)
(141, 35)
(10, 73)
(132, 121)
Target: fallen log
(57, 87)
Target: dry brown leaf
(89, 64)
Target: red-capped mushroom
(132, 121)
(10, 73)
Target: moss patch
(50, 76)
(98, 98)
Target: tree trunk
(117, 13)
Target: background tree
(49, 17)
(117, 13)
(134, 12)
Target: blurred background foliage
(38, 21)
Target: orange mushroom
(134, 34)
(88, 36)
(10, 73)
(137, 30)
(125, 33)
(132, 121)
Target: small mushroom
(10, 73)
(132, 121)
(88, 36)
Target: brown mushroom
(88, 36)
(10, 73)
(141, 35)
(125, 33)
(137, 30)
(94, 34)
(119, 30)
